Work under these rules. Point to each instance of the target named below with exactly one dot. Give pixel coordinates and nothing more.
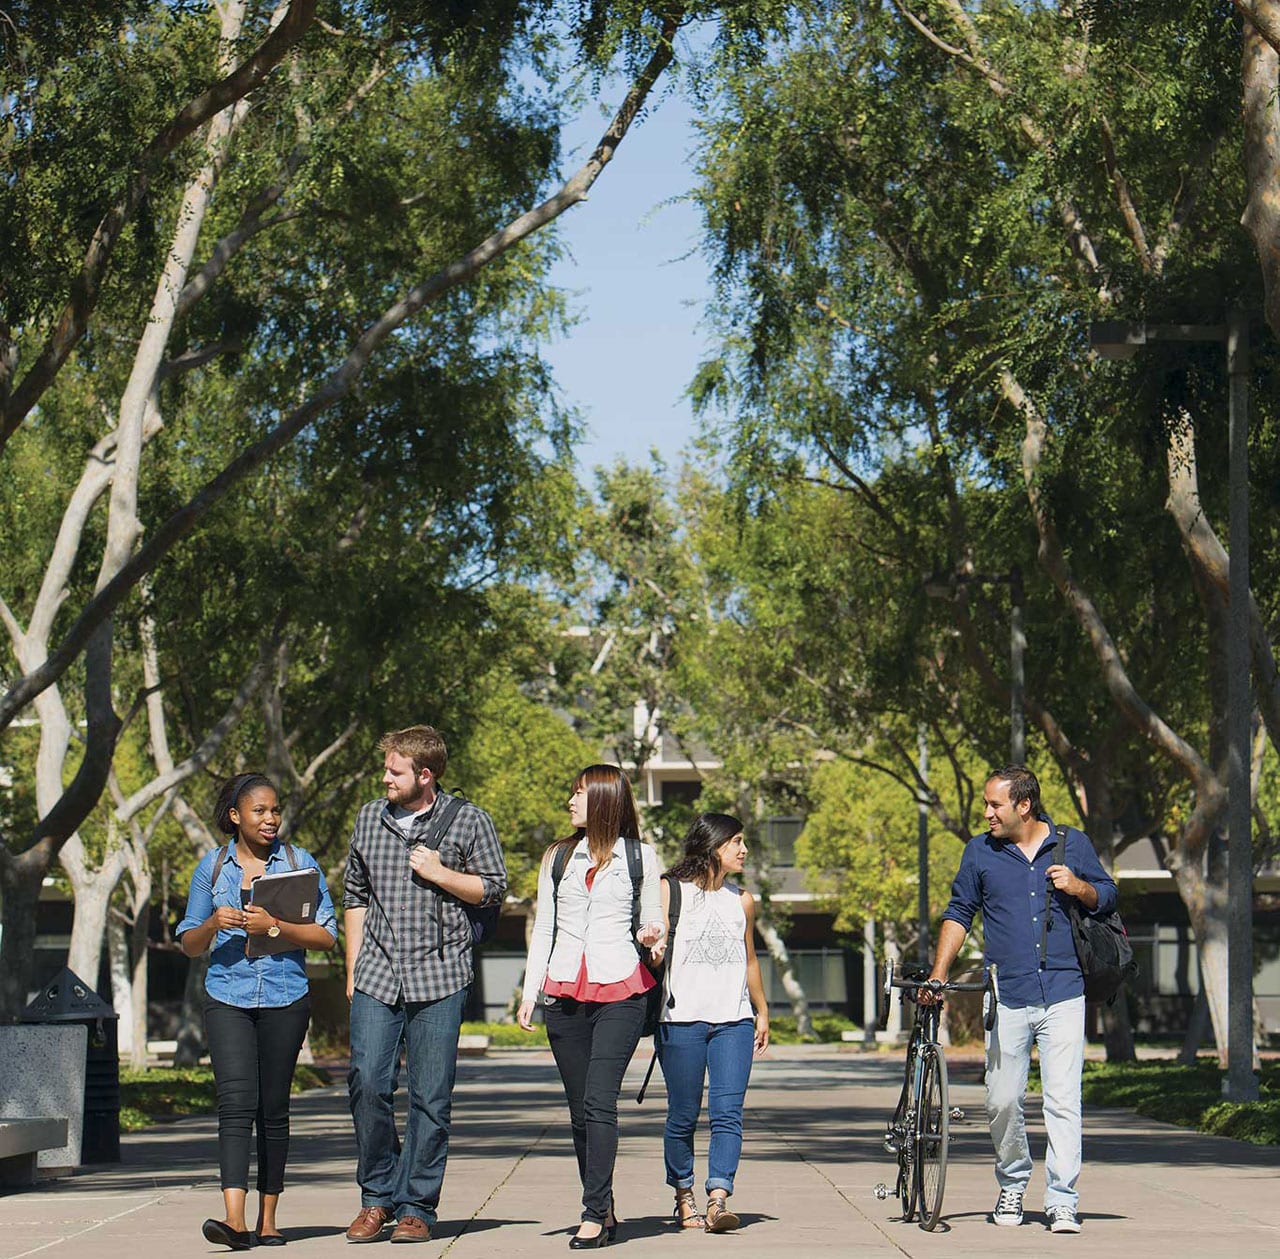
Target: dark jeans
(690, 1053)
(253, 1052)
(405, 1181)
(593, 1042)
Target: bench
(21, 1140)
(473, 1044)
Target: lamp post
(1119, 340)
(947, 586)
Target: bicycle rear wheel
(933, 1132)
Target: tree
(283, 184)
(914, 213)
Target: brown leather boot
(367, 1226)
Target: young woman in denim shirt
(708, 1033)
(257, 1008)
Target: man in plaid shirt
(409, 972)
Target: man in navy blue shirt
(1009, 876)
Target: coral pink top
(584, 989)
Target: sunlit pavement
(812, 1158)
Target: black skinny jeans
(253, 1052)
(592, 1042)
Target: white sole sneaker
(1007, 1221)
(1065, 1226)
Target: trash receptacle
(66, 998)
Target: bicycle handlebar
(989, 984)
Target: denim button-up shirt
(1012, 894)
(234, 978)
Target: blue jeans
(1057, 1031)
(404, 1180)
(689, 1054)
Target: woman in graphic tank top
(708, 1032)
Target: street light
(947, 586)
(1119, 340)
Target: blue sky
(639, 285)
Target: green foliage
(161, 1092)
(827, 1029)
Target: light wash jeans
(1057, 1031)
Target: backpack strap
(635, 867)
(1059, 859)
(673, 920)
(444, 813)
(558, 863)
(223, 854)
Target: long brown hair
(611, 813)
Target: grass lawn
(1188, 1096)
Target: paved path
(812, 1158)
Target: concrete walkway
(815, 1118)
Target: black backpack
(1102, 943)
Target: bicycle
(920, 1130)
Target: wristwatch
(273, 930)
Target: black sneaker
(1008, 1210)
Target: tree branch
(74, 320)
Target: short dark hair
(1023, 785)
(233, 791)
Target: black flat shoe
(602, 1238)
(268, 1239)
(221, 1234)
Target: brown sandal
(719, 1218)
(686, 1213)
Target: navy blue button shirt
(1011, 893)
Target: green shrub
(826, 1028)
(508, 1035)
(170, 1091)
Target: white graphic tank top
(707, 968)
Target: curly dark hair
(700, 864)
(233, 791)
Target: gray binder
(290, 896)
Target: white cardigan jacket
(596, 923)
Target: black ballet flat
(221, 1234)
(269, 1239)
(602, 1238)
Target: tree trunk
(786, 972)
(1117, 1031)
(140, 988)
(93, 890)
(121, 970)
(190, 1045)
(1206, 904)
(20, 881)
(1197, 1026)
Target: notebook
(290, 896)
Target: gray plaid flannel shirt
(417, 943)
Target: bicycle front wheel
(933, 1132)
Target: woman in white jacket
(586, 965)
